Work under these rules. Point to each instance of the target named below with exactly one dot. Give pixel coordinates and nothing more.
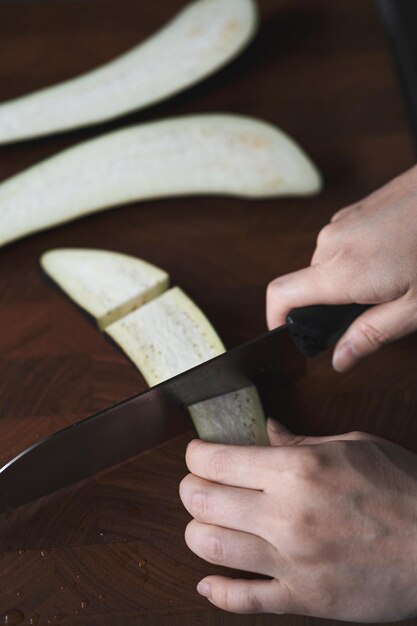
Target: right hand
(366, 254)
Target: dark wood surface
(110, 551)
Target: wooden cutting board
(110, 550)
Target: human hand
(366, 254)
(332, 521)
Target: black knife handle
(314, 328)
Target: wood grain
(322, 72)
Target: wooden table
(110, 550)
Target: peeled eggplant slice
(163, 337)
(197, 154)
(198, 41)
(166, 336)
(170, 335)
(106, 284)
(236, 418)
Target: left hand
(331, 520)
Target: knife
(152, 417)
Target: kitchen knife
(148, 419)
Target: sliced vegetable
(106, 284)
(163, 336)
(198, 154)
(170, 335)
(166, 336)
(198, 41)
(235, 418)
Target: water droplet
(21, 552)
(34, 619)
(45, 552)
(12, 617)
(101, 533)
(101, 596)
(142, 562)
(62, 587)
(18, 594)
(76, 612)
(78, 575)
(84, 604)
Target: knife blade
(152, 417)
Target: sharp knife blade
(159, 413)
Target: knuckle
(272, 290)
(306, 524)
(192, 535)
(348, 260)
(192, 452)
(276, 287)
(303, 534)
(326, 234)
(224, 596)
(339, 214)
(228, 599)
(214, 550)
(199, 505)
(185, 486)
(373, 336)
(322, 593)
(357, 435)
(240, 600)
(309, 462)
(253, 603)
(283, 591)
(308, 546)
(218, 463)
(347, 211)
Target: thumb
(376, 327)
(311, 285)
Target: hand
(367, 254)
(332, 521)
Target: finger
(311, 285)
(248, 596)
(230, 507)
(378, 326)
(280, 436)
(238, 466)
(232, 548)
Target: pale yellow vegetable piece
(236, 418)
(170, 335)
(197, 154)
(166, 336)
(202, 38)
(106, 284)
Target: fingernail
(203, 589)
(343, 358)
